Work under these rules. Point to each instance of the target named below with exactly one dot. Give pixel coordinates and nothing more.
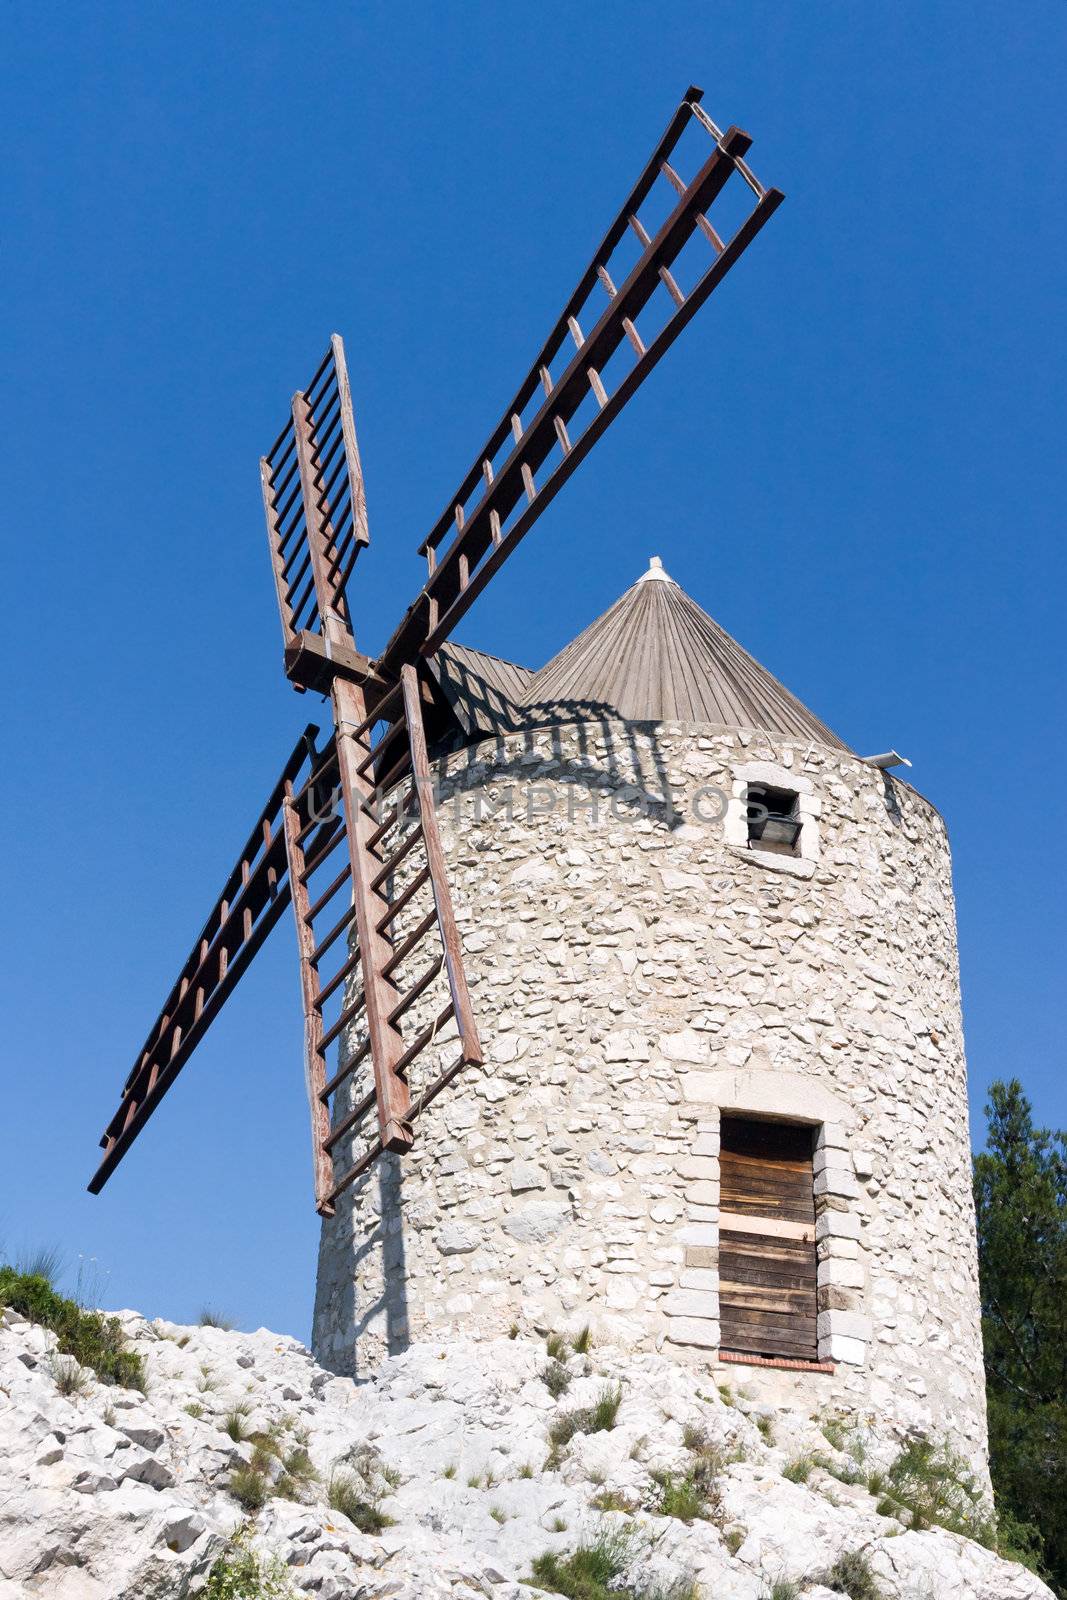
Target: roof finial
(655, 570)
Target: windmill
(349, 835)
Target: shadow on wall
(363, 1289)
(378, 1258)
(635, 773)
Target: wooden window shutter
(767, 1262)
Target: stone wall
(636, 968)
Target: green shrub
(1022, 1542)
(267, 1441)
(243, 1575)
(349, 1494)
(928, 1485)
(298, 1465)
(1020, 1193)
(69, 1376)
(678, 1497)
(210, 1318)
(605, 1409)
(597, 1418)
(47, 1262)
(235, 1422)
(92, 1338)
(557, 1379)
(698, 1492)
(851, 1473)
(250, 1488)
(850, 1575)
(612, 1500)
(709, 1458)
(582, 1341)
(592, 1572)
(800, 1469)
(783, 1589)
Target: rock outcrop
(110, 1494)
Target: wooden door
(767, 1264)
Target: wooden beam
(312, 662)
(310, 990)
(350, 713)
(422, 779)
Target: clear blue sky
(853, 459)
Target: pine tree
(1020, 1190)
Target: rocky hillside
(461, 1470)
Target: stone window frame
(844, 1332)
(809, 809)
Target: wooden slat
(320, 534)
(314, 1049)
(769, 1341)
(277, 558)
(471, 1050)
(752, 1270)
(767, 1281)
(371, 906)
(755, 1256)
(779, 1255)
(469, 552)
(315, 507)
(748, 1297)
(770, 1227)
(418, 1106)
(788, 1325)
(253, 898)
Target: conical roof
(655, 656)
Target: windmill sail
(253, 898)
(611, 333)
(389, 1003)
(382, 974)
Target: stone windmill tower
(629, 992)
(723, 1107)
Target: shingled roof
(654, 656)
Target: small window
(773, 823)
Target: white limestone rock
(115, 1496)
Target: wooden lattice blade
(314, 503)
(253, 897)
(554, 419)
(383, 982)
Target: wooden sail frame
(315, 508)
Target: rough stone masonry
(637, 970)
